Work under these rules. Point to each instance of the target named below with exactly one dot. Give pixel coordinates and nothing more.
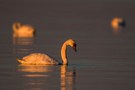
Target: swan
(21, 30)
(43, 59)
(118, 23)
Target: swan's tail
(20, 61)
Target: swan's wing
(39, 58)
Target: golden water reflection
(34, 70)
(67, 78)
(22, 45)
(44, 76)
(23, 41)
(35, 77)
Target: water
(105, 60)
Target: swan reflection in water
(34, 71)
(67, 78)
(22, 45)
(47, 77)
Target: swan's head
(71, 43)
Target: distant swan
(43, 59)
(20, 30)
(118, 23)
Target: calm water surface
(105, 60)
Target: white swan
(21, 30)
(118, 23)
(43, 59)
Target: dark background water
(104, 61)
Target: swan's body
(118, 23)
(43, 59)
(38, 58)
(21, 30)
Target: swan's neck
(64, 54)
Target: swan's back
(25, 30)
(38, 59)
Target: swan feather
(38, 58)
